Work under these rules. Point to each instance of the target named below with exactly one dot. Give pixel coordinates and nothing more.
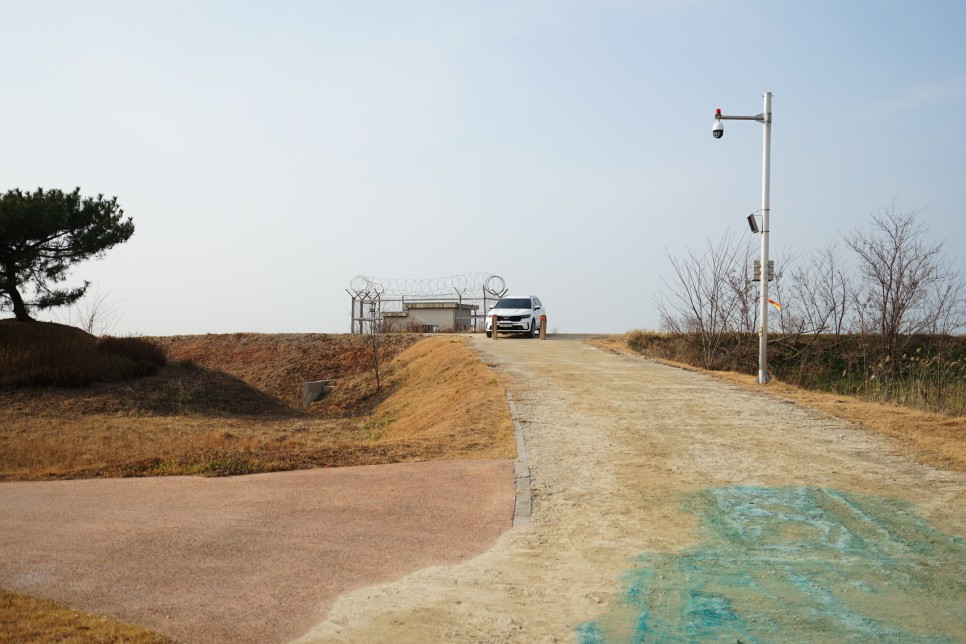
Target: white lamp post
(718, 131)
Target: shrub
(637, 339)
(135, 349)
(931, 375)
(42, 354)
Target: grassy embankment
(919, 400)
(231, 404)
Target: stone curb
(523, 501)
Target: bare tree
(787, 320)
(821, 290)
(814, 300)
(744, 290)
(906, 285)
(372, 338)
(708, 294)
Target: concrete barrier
(315, 390)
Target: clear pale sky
(269, 152)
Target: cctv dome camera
(717, 129)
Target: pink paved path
(245, 559)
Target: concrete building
(430, 317)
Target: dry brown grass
(277, 365)
(38, 621)
(445, 404)
(929, 438)
(229, 408)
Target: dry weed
(39, 621)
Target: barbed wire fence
(374, 297)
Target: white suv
(516, 314)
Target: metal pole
(352, 314)
(765, 229)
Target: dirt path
(669, 506)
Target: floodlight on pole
(753, 223)
(718, 131)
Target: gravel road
(669, 506)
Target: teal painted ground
(795, 564)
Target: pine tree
(43, 234)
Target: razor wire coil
(365, 285)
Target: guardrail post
(543, 327)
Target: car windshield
(513, 303)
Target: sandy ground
(246, 559)
(669, 506)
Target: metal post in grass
(718, 131)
